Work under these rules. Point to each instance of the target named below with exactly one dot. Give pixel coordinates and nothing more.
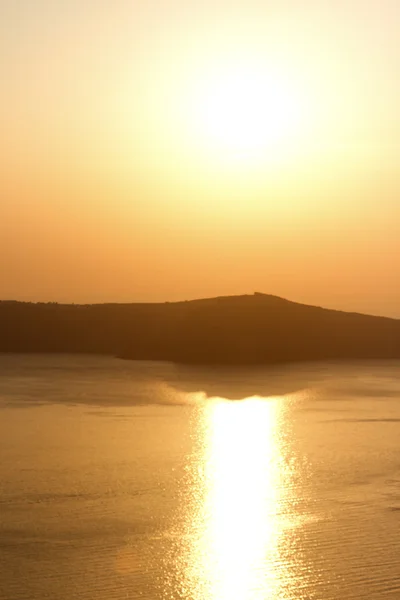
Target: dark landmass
(254, 329)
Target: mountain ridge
(207, 299)
(245, 329)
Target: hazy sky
(155, 150)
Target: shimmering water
(147, 480)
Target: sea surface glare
(139, 480)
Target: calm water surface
(152, 481)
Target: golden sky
(155, 150)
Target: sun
(247, 112)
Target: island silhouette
(248, 329)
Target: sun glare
(246, 113)
(234, 538)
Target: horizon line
(202, 299)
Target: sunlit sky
(155, 150)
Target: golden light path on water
(238, 525)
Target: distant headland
(250, 329)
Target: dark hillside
(237, 330)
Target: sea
(144, 480)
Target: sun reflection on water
(236, 531)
